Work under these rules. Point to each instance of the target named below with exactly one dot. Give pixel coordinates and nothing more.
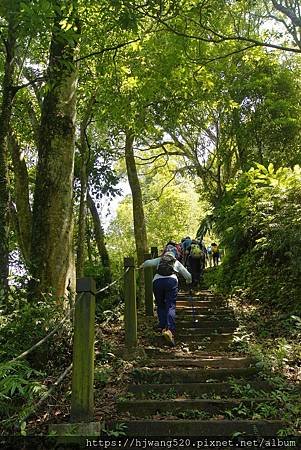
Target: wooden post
(154, 252)
(82, 402)
(148, 282)
(130, 314)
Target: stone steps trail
(196, 389)
(201, 386)
(202, 427)
(140, 408)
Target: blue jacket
(186, 244)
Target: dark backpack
(166, 265)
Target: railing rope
(27, 352)
(58, 326)
(49, 392)
(111, 284)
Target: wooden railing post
(148, 283)
(154, 252)
(82, 402)
(130, 314)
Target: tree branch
(220, 38)
(107, 49)
(287, 12)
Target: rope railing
(69, 368)
(113, 282)
(49, 392)
(27, 352)
(63, 375)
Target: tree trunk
(23, 211)
(52, 228)
(80, 260)
(138, 212)
(88, 240)
(100, 238)
(5, 116)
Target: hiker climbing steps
(198, 387)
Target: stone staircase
(199, 387)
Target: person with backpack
(165, 288)
(215, 253)
(172, 247)
(209, 256)
(185, 243)
(196, 261)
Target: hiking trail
(199, 387)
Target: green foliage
(102, 375)
(260, 225)
(172, 211)
(119, 429)
(19, 388)
(25, 323)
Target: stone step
(205, 331)
(140, 408)
(155, 352)
(202, 293)
(197, 303)
(202, 362)
(204, 312)
(202, 306)
(198, 313)
(197, 334)
(203, 321)
(210, 342)
(197, 298)
(202, 329)
(194, 389)
(192, 375)
(201, 427)
(212, 347)
(204, 339)
(198, 345)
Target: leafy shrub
(19, 388)
(25, 324)
(259, 221)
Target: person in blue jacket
(186, 243)
(165, 288)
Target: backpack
(166, 265)
(179, 255)
(196, 251)
(172, 249)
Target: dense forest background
(197, 106)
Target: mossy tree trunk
(100, 238)
(8, 93)
(81, 234)
(21, 207)
(52, 228)
(138, 211)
